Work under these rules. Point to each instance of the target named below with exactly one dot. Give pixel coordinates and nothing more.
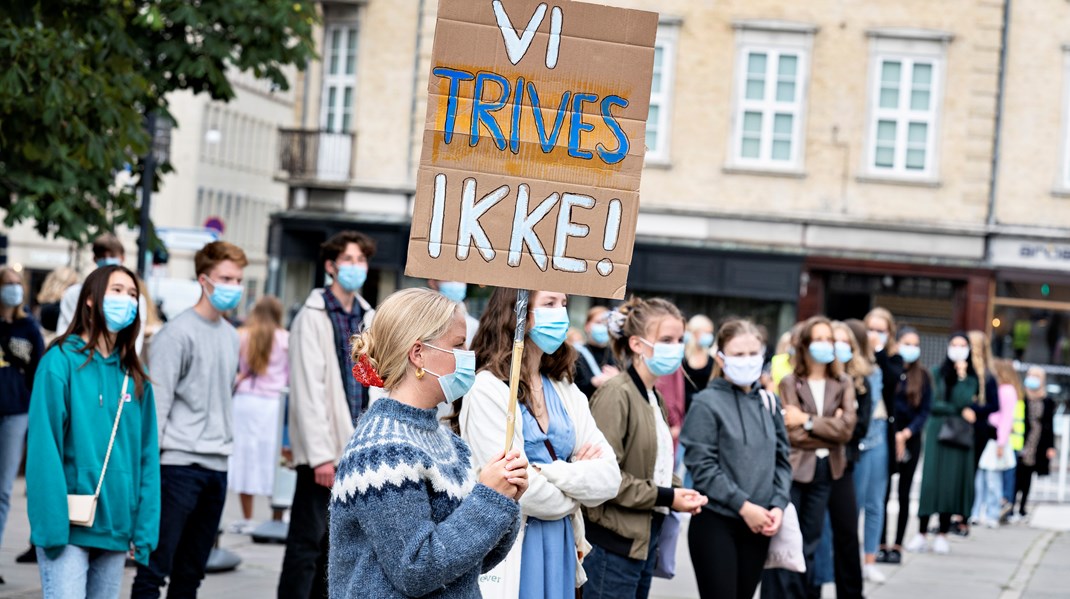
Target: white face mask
(957, 353)
(742, 370)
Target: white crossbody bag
(82, 509)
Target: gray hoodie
(736, 449)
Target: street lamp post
(159, 151)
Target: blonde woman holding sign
(625, 531)
(572, 465)
(408, 516)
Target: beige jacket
(320, 422)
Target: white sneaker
(919, 544)
(242, 527)
(1015, 519)
(941, 546)
(871, 573)
(993, 524)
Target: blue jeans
(191, 504)
(871, 485)
(988, 490)
(81, 573)
(1009, 481)
(824, 569)
(12, 440)
(612, 576)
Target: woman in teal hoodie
(83, 379)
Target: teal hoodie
(72, 411)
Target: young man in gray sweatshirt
(194, 360)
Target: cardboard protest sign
(533, 145)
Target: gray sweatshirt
(736, 449)
(193, 364)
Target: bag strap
(111, 442)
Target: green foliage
(77, 77)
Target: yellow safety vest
(1018, 430)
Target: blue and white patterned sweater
(408, 518)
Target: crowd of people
(622, 427)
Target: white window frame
(1062, 185)
(667, 40)
(907, 47)
(332, 118)
(774, 39)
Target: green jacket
(72, 411)
(623, 414)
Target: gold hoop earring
(419, 373)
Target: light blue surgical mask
(705, 340)
(600, 334)
(351, 276)
(743, 370)
(457, 383)
(453, 290)
(909, 353)
(822, 352)
(550, 328)
(843, 352)
(667, 358)
(225, 297)
(1032, 383)
(109, 262)
(12, 294)
(119, 311)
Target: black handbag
(956, 432)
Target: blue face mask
(1032, 383)
(109, 262)
(909, 353)
(119, 312)
(843, 352)
(11, 294)
(454, 291)
(600, 334)
(225, 297)
(822, 352)
(550, 328)
(667, 358)
(705, 340)
(351, 276)
(457, 383)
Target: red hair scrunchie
(365, 373)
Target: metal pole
(518, 362)
(147, 181)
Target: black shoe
(961, 529)
(2, 581)
(882, 556)
(895, 557)
(27, 557)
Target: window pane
(890, 72)
(752, 123)
(886, 132)
(336, 48)
(651, 138)
(652, 115)
(884, 157)
(785, 91)
(787, 66)
(332, 92)
(923, 74)
(655, 82)
(756, 64)
(659, 56)
(916, 160)
(755, 89)
(781, 150)
(347, 108)
(889, 97)
(782, 125)
(750, 148)
(919, 100)
(351, 52)
(916, 134)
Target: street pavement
(1015, 561)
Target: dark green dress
(947, 474)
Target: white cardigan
(558, 489)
